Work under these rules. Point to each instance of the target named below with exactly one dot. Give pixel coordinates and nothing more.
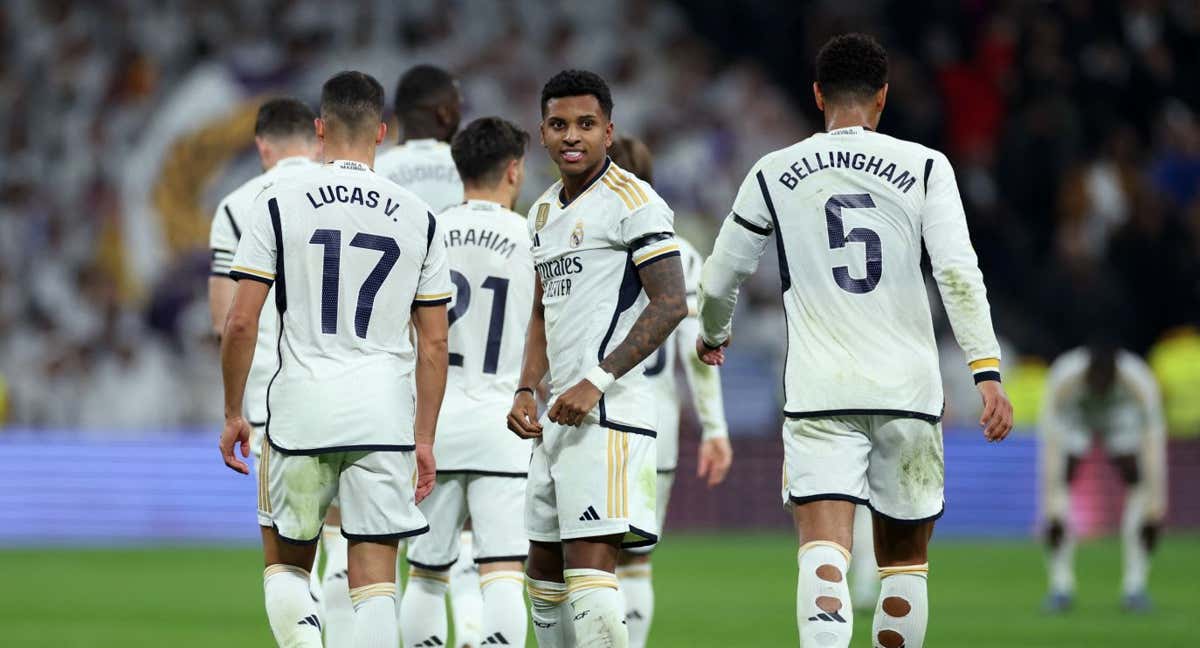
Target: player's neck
(838, 117)
(498, 194)
(354, 151)
(574, 185)
(409, 135)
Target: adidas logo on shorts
(432, 641)
(496, 639)
(311, 620)
(590, 515)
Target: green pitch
(713, 590)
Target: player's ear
(881, 98)
(381, 133)
(319, 125)
(608, 136)
(818, 97)
(262, 146)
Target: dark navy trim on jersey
(237, 231)
(928, 169)
(648, 239)
(761, 231)
(987, 375)
(621, 427)
(929, 418)
(238, 275)
(897, 520)
(257, 423)
(563, 203)
(648, 539)
(472, 472)
(366, 447)
(216, 273)
(653, 260)
(377, 537)
(785, 275)
(280, 287)
(496, 559)
(431, 302)
(666, 471)
(825, 497)
(294, 541)
(431, 231)
(433, 568)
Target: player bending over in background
(849, 209)
(1110, 395)
(354, 259)
(608, 293)
(704, 381)
(481, 466)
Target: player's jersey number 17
(331, 239)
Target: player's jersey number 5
(838, 238)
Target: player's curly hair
(574, 83)
(483, 149)
(851, 67)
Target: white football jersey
(230, 221)
(849, 210)
(680, 350)
(350, 254)
(1132, 407)
(587, 253)
(487, 247)
(426, 168)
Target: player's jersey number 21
(462, 301)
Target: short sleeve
(223, 238)
(256, 252)
(434, 287)
(649, 233)
(750, 206)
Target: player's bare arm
(237, 352)
(663, 283)
(220, 298)
(433, 332)
(523, 419)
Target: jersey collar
(851, 130)
(563, 203)
(427, 142)
(475, 203)
(295, 160)
(351, 165)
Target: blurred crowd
(1073, 128)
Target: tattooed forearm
(663, 282)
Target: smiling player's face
(576, 134)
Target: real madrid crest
(577, 234)
(543, 213)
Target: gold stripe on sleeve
(985, 363)
(252, 271)
(656, 253)
(625, 196)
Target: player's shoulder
(1132, 365)
(1072, 362)
(627, 193)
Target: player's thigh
(604, 482)
(541, 502)
(825, 459)
(496, 504)
(907, 471)
(376, 495)
(444, 509)
(295, 492)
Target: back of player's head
(631, 154)
(424, 88)
(484, 148)
(354, 101)
(576, 83)
(851, 67)
(284, 117)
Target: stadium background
(1073, 129)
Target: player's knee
(1056, 533)
(1149, 535)
(1127, 466)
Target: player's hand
(426, 471)
(716, 456)
(523, 419)
(575, 403)
(997, 418)
(236, 431)
(708, 355)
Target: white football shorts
(495, 505)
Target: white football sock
(503, 609)
(375, 616)
(638, 590)
(335, 591)
(597, 614)
(1135, 553)
(903, 610)
(1060, 562)
(465, 597)
(864, 572)
(290, 608)
(423, 609)
(551, 617)
(823, 612)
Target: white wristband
(600, 378)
